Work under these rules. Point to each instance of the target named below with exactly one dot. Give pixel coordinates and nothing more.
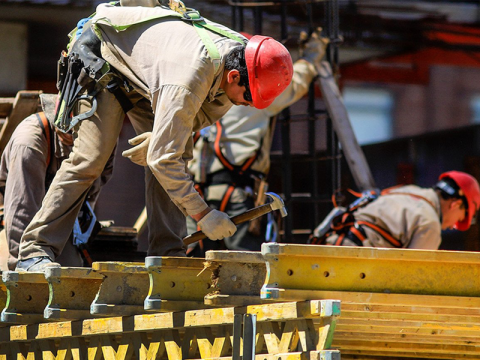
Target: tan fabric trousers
(95, 139)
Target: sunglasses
(247, 95)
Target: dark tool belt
(229, 177)
(80, 76)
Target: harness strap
(227, 164)
(226, 198)
(196, 137)
(114, 87)
(45, 125)
(384, 233)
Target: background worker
(411, 216)
(176, 81)
(232, 157)
(29, 163)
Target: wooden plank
(6, 105)
(176, 283)
(377, 355)
(341, 334)
(387, 348)
(25, 104)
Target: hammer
(275, 204)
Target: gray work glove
(313, 49)
(138, 153)
(217, 225)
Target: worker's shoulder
(416, 195)
(28, 133)
(123, 17)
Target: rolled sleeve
(175, 109)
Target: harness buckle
(192, 16)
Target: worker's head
(459, 199)
(257, 73)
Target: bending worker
(29, 163)
(411, 216)
(173, 73)
(231, 159)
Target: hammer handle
(237, 219)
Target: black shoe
(35, 264)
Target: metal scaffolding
(316, 202)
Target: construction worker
(29, 163)
(173, 73)
(410, 216)
(231, 159)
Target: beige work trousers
(95, 139)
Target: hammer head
(277, 203)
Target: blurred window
(475, 108)
(370, 112)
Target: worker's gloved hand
(313, 49)
(217, 225)
(138, 153)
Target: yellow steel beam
(72, 291)
(27, 297)
(176, 283)
(237, 277)
(403, 271)
(123, 289)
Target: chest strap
(238, 170)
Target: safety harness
(83, 73)
(233, 175)
(347, 227)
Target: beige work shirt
(244, 128)
(179, 79)
(411, 220)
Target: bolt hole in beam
(72, 293)
(172, 284)
(362, 275)
(29, 297)
(326, 274)
(289, 272)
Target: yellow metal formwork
(237, 277)
(395, 303)
(176, 283)
(293, 330)
(123, 289)
(71, 292)
(400, 271)
(27, 297)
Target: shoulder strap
(45, 125)
(187, 15)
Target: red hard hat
(471, 190)
(247, 35)
(270, 69)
